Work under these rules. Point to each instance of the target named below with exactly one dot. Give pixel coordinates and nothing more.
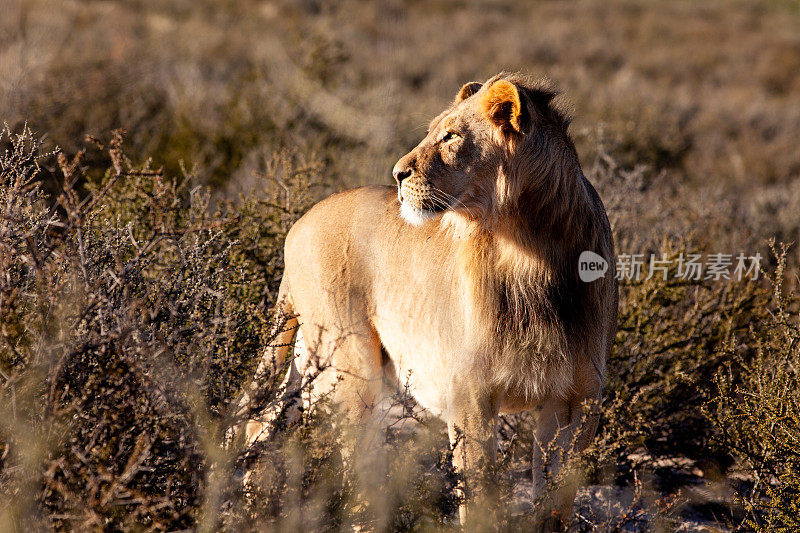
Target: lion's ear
(502, 104)
(468, 90)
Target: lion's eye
(449, 136)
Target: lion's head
(496, 142)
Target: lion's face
(456, 164)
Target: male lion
(464, 281)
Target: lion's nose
(401, 173)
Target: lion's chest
(438, 352)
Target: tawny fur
(474, 300)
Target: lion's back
(332, 220)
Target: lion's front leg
(474, 443)
(359, 383)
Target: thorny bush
(134, 307)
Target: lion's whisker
(451, 201)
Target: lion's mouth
(432, 204)
(420, 205)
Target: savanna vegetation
(139, 267)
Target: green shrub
(756, 411)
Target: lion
(462, 282)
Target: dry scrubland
(137, 272)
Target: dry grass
(707, 90)
(134, 299)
